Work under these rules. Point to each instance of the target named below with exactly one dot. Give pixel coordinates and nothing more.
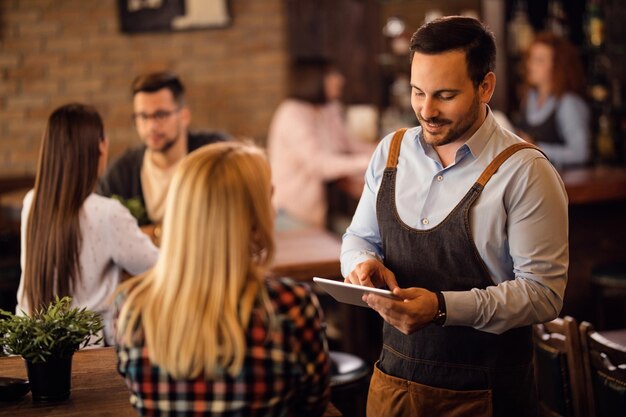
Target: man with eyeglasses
(140, 177)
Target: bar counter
(597, 217)
(583, 185)
(97, 389)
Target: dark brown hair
(66, 174)
(567, 69)
(306, 80)
(153, 82)
(458, 33)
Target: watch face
(439, 318)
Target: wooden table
(595, 184)
(583, 185)
(97, 389)
(305, 253)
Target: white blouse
(111, 242)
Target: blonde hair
(194, 306)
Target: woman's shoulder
(286, 293)
(571, 97)
(572, 104)
(292, 106)
(104, 206)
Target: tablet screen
(350, 293)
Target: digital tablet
(350, 293)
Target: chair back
(558, 368)
(605, 364)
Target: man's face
(444, 98)
(159, 120)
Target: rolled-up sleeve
(537, 231)
(362, 238)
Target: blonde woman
(204, 332)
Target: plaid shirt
(285, 374)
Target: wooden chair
(349, 383)
(605, 367)
(558, 369)
(608, 284)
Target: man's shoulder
(121, 176)
(201, 138)
(130, 157)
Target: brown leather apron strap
(394, 148)
(492, 168)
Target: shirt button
(439, 178)
(424, 221)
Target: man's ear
(185, 115)
(487, 87)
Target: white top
(309, 145)
(111, 242)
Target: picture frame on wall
(138, 16)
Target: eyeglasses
(157, 116)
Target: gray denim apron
(446, 371)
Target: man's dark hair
(153, 82)
(458, 33)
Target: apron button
(424, 221)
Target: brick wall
(56, 51)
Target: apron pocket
(397, 397)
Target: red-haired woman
(554, 113)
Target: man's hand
(417, 309)
(372, 273)
(153, 231)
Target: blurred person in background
(309, 144)
(554, 115)
(75, 242)
(204, 332)
(141, 176)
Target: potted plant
(47, 340)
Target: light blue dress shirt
(572, 118)
(519, 224)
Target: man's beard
(169, 144)
(457, 130)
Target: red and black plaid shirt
(285, 374)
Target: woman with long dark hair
(75, 242)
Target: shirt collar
(474, 145)
(477, 142)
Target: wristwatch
(440, 316)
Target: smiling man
(467, 224)
(140, 178)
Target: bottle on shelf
(520, 32)
(556, 21)
(599, 89)
(605, 147)
(595, 24)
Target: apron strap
(500, 159)
(492, 168)
(394, 148)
